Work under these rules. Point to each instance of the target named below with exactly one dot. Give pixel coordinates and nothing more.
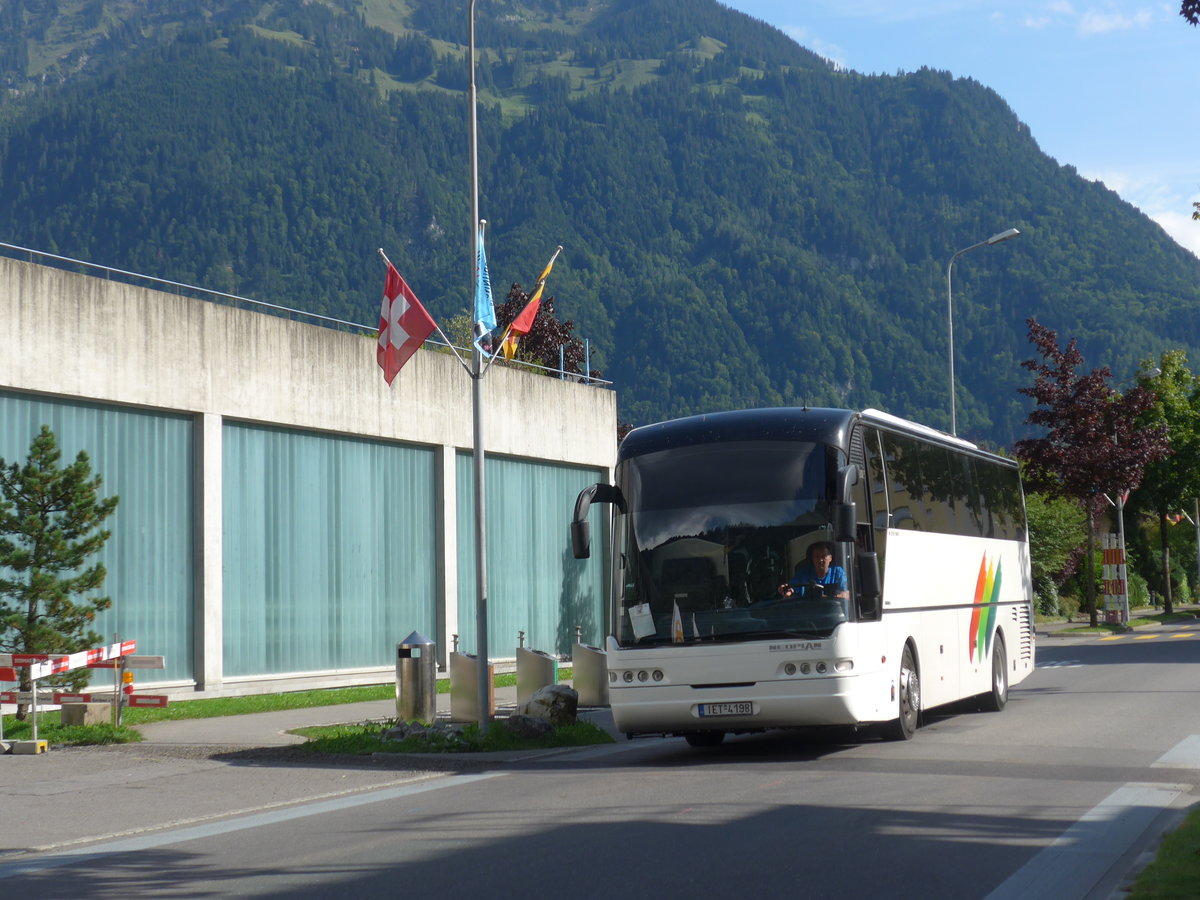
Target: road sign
(146, 700)
(132, 662)
(71, 698)
(55, 699)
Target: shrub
(1046, 598)
(1068, 606)
(1139, 591)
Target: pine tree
(50, 525)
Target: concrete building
(285, 516)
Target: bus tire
(704, 738)
(995, 699)
(908, 700)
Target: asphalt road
(1057, 797)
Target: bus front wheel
(908, 700)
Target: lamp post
(484, 682)
(994, 239)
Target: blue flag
(485, 309)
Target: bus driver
(817, 569)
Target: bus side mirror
(845, 522)
(581, 530)
(581, 539)
(870, 586)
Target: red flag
(403, 325)
(521, 324)
(524, 321)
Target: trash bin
(416, 679)
(590, 677)
(535, 670)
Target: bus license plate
(739, 708)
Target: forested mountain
(742, 223)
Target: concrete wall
(84, 337)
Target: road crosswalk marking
(1144, 637)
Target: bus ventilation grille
(1025, 629)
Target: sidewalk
(270, 729)
(1081, 620)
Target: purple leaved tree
(1093, 448)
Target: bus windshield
(710, 534)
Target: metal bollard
(464, 688)
(416, 679)
(591, 674)
(535, 670)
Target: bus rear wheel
(995, 699)
(704, 738)
(908, 700)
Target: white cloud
(1167, 202)
(831, 52)
(1094, 21)
(1182, 227)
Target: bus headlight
(627, 677)
(612, 677)
(843, 665)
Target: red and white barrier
(43, 664)
(40, 665)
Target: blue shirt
(806, 574)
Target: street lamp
(994, 239)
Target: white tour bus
(716, 622)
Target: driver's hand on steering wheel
(786, 590)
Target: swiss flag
(403, 325)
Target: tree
(1055, 528)
(50, 525)
(1095, 446)
(548, 334)
(1190, 10)
(1173, 478)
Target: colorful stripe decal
(983, 616)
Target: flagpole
(477, 371)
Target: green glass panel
(330, 550)
(145, 458)
(535, 584)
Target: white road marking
(257, 820)
(1184, 755)
(1083, 854)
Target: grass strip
(1175, 872)
(367, 738)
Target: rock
(555, 703)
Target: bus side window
(906, 488)
(872, 498)
(876, 481)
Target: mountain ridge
(744, 224)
